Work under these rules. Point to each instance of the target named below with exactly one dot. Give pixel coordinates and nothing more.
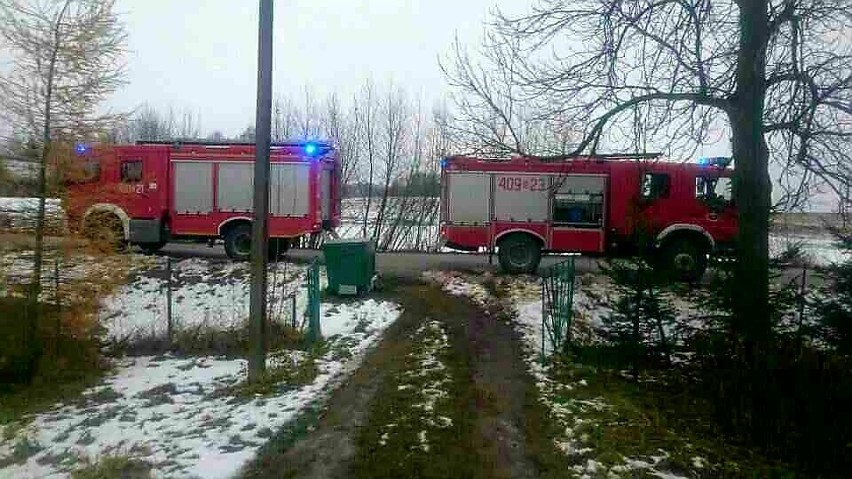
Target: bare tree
(366, 119)
(778, 72)
(339, 127)
(394, 122)
(68, 56)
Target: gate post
(314, 333)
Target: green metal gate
(314, 333)
(557, 306)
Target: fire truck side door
(578, 213)
(654, 194)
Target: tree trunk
(753, 387)
(752, 321)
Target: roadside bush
(641, 315)
(53, 367)
(793, 402)
(18, 354)
(834, 307)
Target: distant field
(814, 223)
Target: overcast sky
(202, 54)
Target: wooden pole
(259, 240)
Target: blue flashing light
(311, 149)
(444, 163)
(719, 161)
(81, 149)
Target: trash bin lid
(348, 241)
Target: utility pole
(259, 241)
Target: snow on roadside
(817, 250)
(457, 285)
(80, 275)
(175, 414)
(524, 297)
(19, 214)
(205, 293)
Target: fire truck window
(580, 210)
(131, 171)
(655, 185)
(713, 189)
(86, 171)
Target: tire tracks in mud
(499, 429)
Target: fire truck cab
(150, 193)
(602, 205)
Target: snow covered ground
(817, 250)
(176, 413)
(205, 293)
(184, 416)
(80, 276)
(571, 415)
(19, 214)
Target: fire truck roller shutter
(289, 189)
(520, 198)
(236, 187)
(469, 198)
(193, 187)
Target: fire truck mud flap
(146, 231)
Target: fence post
(314, 333)
(56, 298)
(293, 321)
(557, 303)
(169, 324)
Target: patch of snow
(457, 285)
(177, 414)
(205, 294)
(19, 214)
(817, 250)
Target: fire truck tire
(238, 242)
(106, 232)
(684, 259)
(519, 254)
(278, 248)
(151, 248)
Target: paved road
(411, 265)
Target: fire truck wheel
(151, 248)
(238, 242)
(105, 232)
(685, 260)
(519, 254)
(278, 248)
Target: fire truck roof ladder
(286, 143)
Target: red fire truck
(150, 193)
(602, 205)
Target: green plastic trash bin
(350, 264)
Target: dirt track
(498, 429)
